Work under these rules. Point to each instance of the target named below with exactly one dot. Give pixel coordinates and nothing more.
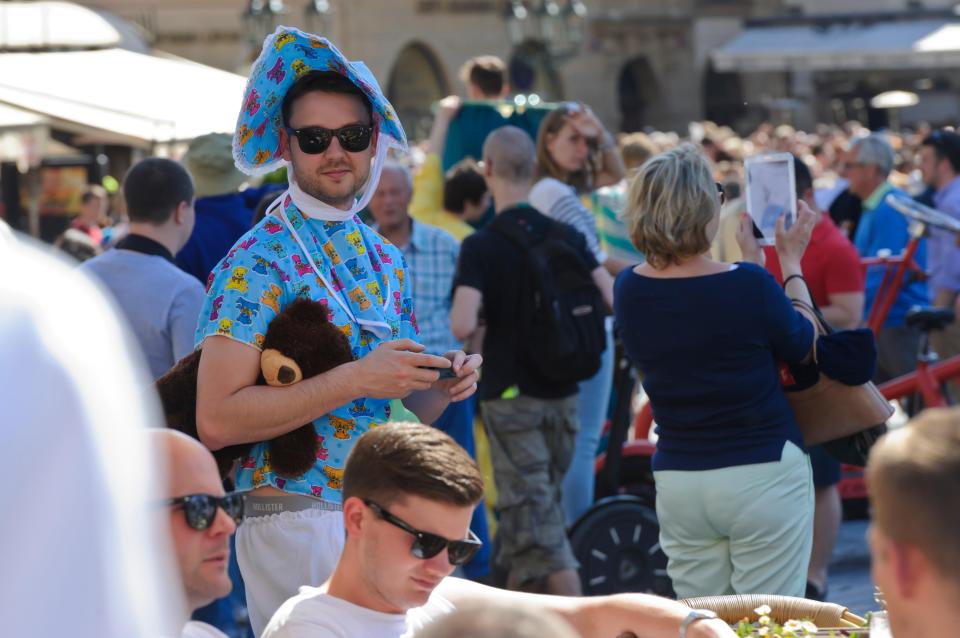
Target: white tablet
(771, 193)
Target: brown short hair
(636, 148)
(463, 183)
(409, 459)
(93, 191)
(486, 72)
(325, 82)
(671, 201)
(509, 154)
(914, 481)
(582, 180)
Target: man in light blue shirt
(881, 227)
(160, 302)
(940, 165)
(430, 252)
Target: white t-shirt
(197, 629)
(315, 614)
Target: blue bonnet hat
(288, 54)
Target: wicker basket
(732, 609)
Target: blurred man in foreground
(914, 481)
(202, 518)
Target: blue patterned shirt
(431, 255)
(266, 270)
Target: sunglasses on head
(201, 509)
(721, 192)
(314, 139)
(427, 545)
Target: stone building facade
(643, 63)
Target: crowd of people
(491, 282)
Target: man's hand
(586, 123)
(715, 628)
(394, 369)
(465, 383)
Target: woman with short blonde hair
(673, 201)
(734, 491)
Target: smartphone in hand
(445, 373)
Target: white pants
(746, 529)
(281, 552)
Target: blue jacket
(882, 227)
(220, 221)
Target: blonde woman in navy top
(734, 487)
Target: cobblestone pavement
(849, 579)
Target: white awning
(12, 117)
(122, 97)
(843, 46)
(53, 25)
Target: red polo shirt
(93, 232)
(831, 265)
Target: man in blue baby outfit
(325, 117)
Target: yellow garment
(725, 247)
(486, 469)
(426, 205)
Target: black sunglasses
(201, 509)
(314, 139)
(427, 545)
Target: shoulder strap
(510, 229)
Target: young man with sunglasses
(201, 520)
(407, 528)
(309, 109)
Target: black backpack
(562, 334)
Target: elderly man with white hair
(883, 228)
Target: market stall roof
(843, 45)
(12, 117)
(53, 25)
(122, 97)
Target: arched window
(723, 97)
(416, 82)
(637, 89)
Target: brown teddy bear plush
(300, 343)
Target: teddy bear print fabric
(265, 271)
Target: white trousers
(746, 529)
(281, 552)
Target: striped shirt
(608, 204)
(431, 255)
(559, 201)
